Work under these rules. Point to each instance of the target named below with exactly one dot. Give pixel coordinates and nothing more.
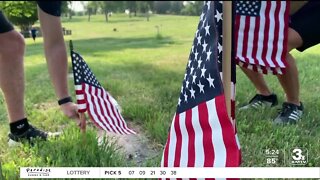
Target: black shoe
(29, 136)
(289, 114)
(260, 101)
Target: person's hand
(71, 111)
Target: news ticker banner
(156, 172)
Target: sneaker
(31, 134)
(289, 114)
(259, 101)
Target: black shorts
(306, 21)
(5, 25)
(50, 7)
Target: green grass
(144, 71)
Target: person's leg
(12, 79)
(264, 97)
(292, 109)
(258, 81)
(12, 73)
(12, 84)
(290, 80)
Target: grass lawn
(144, 73)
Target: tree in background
(162, 7)
(144, 7)
(132, 6)
(64, 8)
(94, 6)
(104, 7)
(176, 7)
(91, 8)
(110, 6)
(70, 9)
(20, 13)
(118, 6)
(192, 8)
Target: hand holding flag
(94, 99)
(71, 111)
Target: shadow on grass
(117, 20)
(163, 83)
(108, 44)
(74, 19)
(111, 20)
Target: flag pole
(83, 123)
(71, 45)
(82, 117)
(226, 53)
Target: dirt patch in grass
(137, 148)
(46, 105)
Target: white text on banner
(157, 172)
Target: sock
(19, 127)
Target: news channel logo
(298, 156)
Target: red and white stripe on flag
(261, 35)
(101, 109)
(202, 137)
(81, 102)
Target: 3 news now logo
(37, 172)
(298, 156)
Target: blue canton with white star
(248, 8)
(202, 80)
(82, 73)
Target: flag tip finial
(71, 45)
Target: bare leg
(290, 80)
(12, 73)
(258, 81)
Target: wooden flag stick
(226, 53)
(71, 45)
(83, 123)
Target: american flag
(261, 35)
(92, 97)
(233, 65)
(201, 134)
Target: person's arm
(57, 59)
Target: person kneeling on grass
(303, 34)
(12, 71)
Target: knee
(294, 39)
(13, 44)
(17, 44)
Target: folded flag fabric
(261, 35)
(94, 99)
(201, 133)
